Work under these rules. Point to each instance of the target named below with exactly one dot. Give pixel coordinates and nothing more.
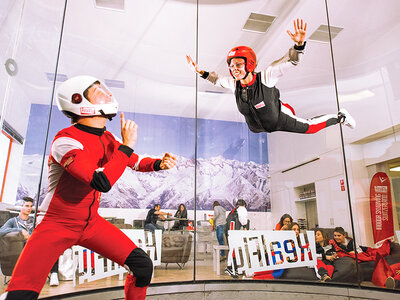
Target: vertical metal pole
(195, 146)
(51, 108)
(342, 143)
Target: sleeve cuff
(125, 149)
(300, 48)
(205, 75)
(156, 165)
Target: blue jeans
(151, 227)
(220, 236)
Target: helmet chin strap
(104, 115)
(247, 74)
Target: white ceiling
(146, 44)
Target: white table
(217, 257)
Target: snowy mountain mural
(217, 179)
(232, 162)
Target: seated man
(24, 223)
(152, 216)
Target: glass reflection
(368, 83)
(230, 173)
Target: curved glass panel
(280, 172)
(366, 76)
(30, 35)
(239, 167)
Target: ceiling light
(110, 4)
(395, 169)
(60, 77)
(115, 83)
(258, 23)
(356, 96)
(322, 33)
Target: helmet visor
(98, 94)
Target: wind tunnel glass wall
(138, 50)
(280, 172)
(367, 75)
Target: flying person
(258, 99)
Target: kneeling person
(85, 160)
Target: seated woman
(180, 213)
(296, 228)
(284, 222)
(326, 256)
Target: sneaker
(231, 273)
(346, 119)
(390, 283)
(54, 279)
(325, 278)
(3, 296)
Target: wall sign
(381, 208)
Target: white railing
(103, 267)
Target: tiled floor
(204, 271)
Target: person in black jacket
(257, 98)
(181, 213)
(236, 220)
(346, 243)
(327, 255)
(153, 215)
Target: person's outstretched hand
(128, 132)
(299, 34)
(168, 161)
(193, 65)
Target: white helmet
(73, 98)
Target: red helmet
(247, 54)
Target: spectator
(181, 213)
(236, 220)
(153, 216)
(24, 224)
(284, 222)
(394, 282)
(344, 242)
(219, 225)
(296, 228)
(327, 255)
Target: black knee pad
(22, 295)
(141, 266)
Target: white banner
(104, 267)
(262, 250)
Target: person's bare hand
(25, 234)
(193, 65)
(128, 132)
(299, 35)
(330, 257)
(168, 161)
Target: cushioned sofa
(11, 246)
(176, 248)
(345, 268)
